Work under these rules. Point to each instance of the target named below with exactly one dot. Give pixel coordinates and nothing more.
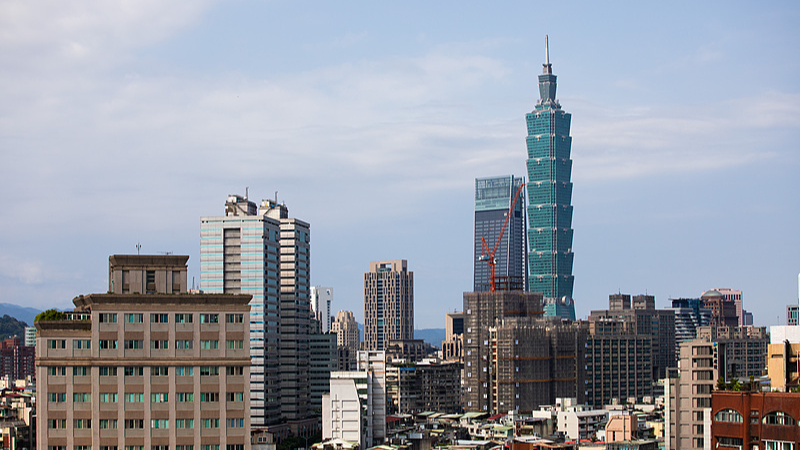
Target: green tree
(50, 314)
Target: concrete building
(493, 199)
(263, 252)
(17, 361)
(428, 385)
(388, 304)
(149, 371)
(453, 345)
(575, 420)
(348, 339)
(792, 315)
(690, 313)
(30, 336)
(748, 420)
(721, 352)
(321, 299)
(355, 408)
(323, 360)
(514, 360)
(723, 310)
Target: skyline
(125, 124)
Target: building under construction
(514, 358)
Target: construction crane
(488, 255)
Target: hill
(10, 327)
(21, 313)
(433, 336)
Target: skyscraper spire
(547, 81)
(548, 68)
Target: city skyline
(123, 126)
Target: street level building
(388, 304)
(138, 370)
(550, 232)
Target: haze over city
(124, 123)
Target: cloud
(24, 270)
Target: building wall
(747, 419)
(388, 304)
(132, 350)
(348, 339)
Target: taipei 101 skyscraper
(550, 199)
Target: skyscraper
(388, 304)
(262, 252)
(321, 298)
(493, 198)
(550, 199)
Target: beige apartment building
(139, 371)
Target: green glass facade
(550, 200)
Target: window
(134, 397)
(159, 447)
(159, 397)
(159, 344)
(108, 371)
(57, 424)
(108, 447)
(235, 344)
(108, 344)
(82, 424)
(57, 397)
(134, 317)
(159, 371)
(184, 371)
(235, 396)
(108, 397)
(81, 447)
(754, 416)
(210, 447)
(235, 370)
(134, 344)
(207, 371)
(107, 317)
(728, 415)
(184, 397)
(184, 447)
(58, 344)
(134, 371)
(134, 424)
(234, 318)
(778, 418)
(209, 397)
(159, 318)
(57, 371)
(209, 345)
(184, 344)
(235, 447)
(725, 441)
(235, 423)
(159, 424)
(134, 447)
(209, 318)
(82, 397)
(183, 318)
(184, 423)
(81, 344)
(210, 423)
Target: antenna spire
(546, 50)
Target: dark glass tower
(493, 198)
(550, 199)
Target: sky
(124, 122)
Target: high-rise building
(348, 339)
(136, 370)
(388, 304)
(17, 361)
(321, 299)
(690, 314)
(493, 199)
(322, 361)
(550, 199)
(723, 309)
(262, 252)
(514, 359)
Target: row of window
(164, 318)
(138, 371)
(136, 424)
(152, 447)
(138, 344)
(138, 397)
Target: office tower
(135, 370)
(17, 361)
(348, 339)
(723, 310)
(514, 359)
(388, 304)
(262, 252)
(321, 299)
(322, 361)
(642, 318)
(690, 313)
(550, 199)
(493, 199)
(239, 253)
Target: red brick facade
(758, 422)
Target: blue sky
(125, 122)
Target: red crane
(488, 255)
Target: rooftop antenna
(138, 247)
(276, 197)
(546, 50)
(247, 192)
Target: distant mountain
(433, 336)
(21, 313)
(10, 327)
